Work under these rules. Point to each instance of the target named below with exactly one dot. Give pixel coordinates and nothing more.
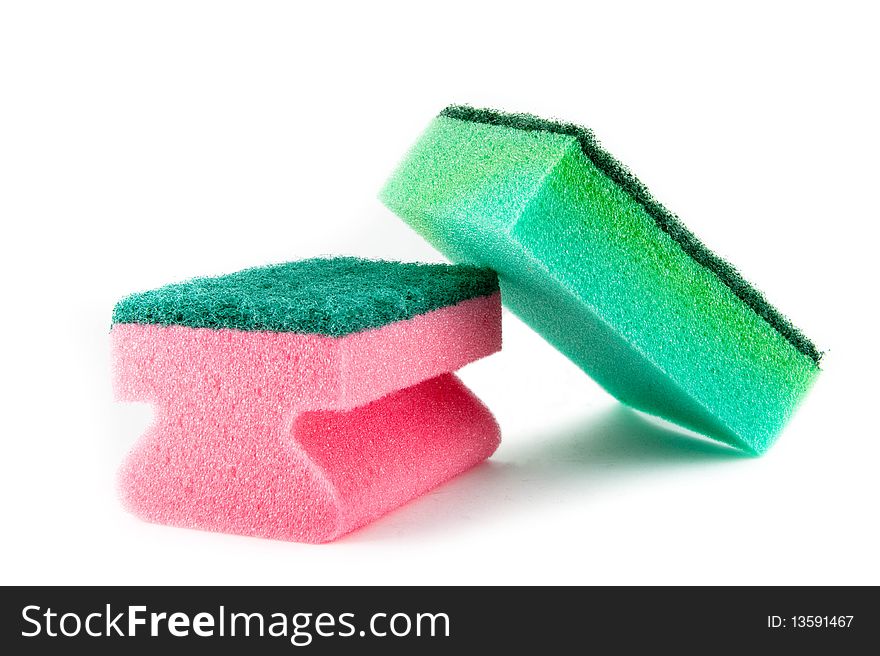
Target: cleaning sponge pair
(301, 401)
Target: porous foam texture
(298, 436)
(604, 272)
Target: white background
(144, 143)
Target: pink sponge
(299, 435)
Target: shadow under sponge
(605, 273)
(301, 401)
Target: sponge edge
(635, 301)
(302, 437)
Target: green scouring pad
(320, 296)
(609, 276)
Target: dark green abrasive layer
(333, 296)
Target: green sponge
(605, 273)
